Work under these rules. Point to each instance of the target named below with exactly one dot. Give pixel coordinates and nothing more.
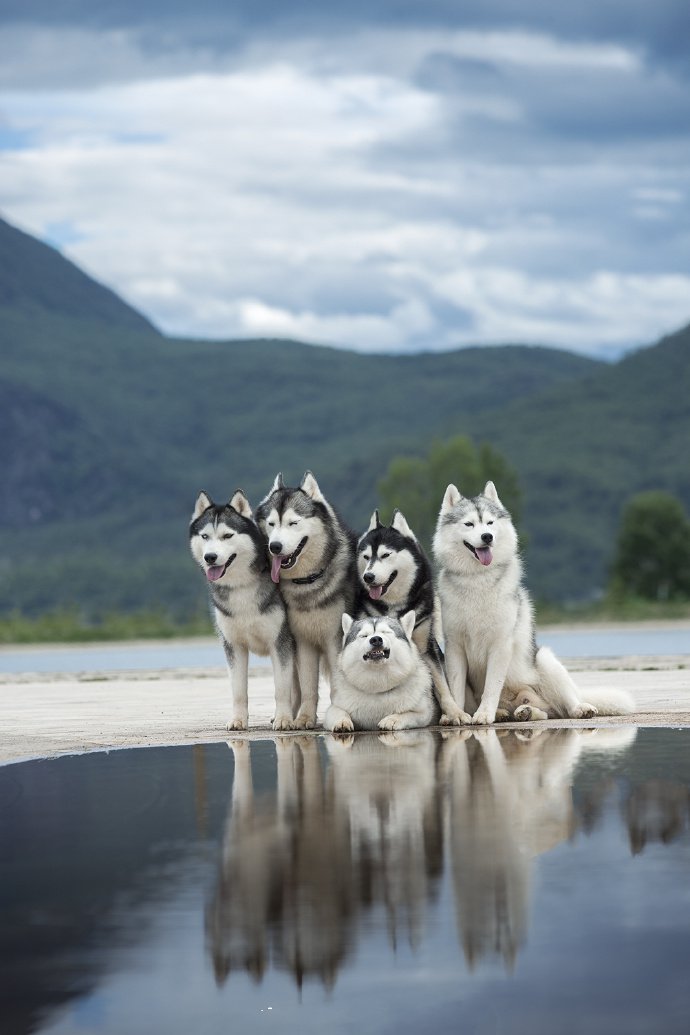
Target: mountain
(34, 276)
(108, 430)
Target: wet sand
(44, 716)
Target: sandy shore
(43, 716)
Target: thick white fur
(488, 623)
(389, 695)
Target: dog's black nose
(368, 577)
(275, 548)
(487, 538)
(376, 641)
(210, 558)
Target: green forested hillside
(108, 430)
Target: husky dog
(488, 621)
(248, 610)
(380, 680)
(396, 576)
(313, 558)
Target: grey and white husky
(380, 680)
(488, 622)
(248, 609)
(396, 577)
(313, 560)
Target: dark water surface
(475, 883)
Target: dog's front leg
(283, 678)
(238, 663)
(496, 672)
(308, 667)
(456, 668)
(337, 720)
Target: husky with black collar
(380, 681)
(247, 607)
(488, 622)
(312, 556)
(396, 578)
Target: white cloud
(302, 197)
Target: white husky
(488, 622)
(247, 607)
(380, 680)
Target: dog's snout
(368, 577)
(210, 558)
(487, 538)
(376, 641)
(275, 547)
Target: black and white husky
(380, 680)
(396, 578)
(248, 609)
(488, 622)
(313, 560)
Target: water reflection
(391, 882)
(362, 828)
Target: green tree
(415, 485)
(652, 557)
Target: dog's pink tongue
(484, 554)
(214, 572)
(375, 592)
(275, 567)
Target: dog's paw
(523, 713)
(502, 715)
(584, 711)
(304, 721)
(456, 717)
(344, 725)
(238, 723)
(392, 722)
(483, 717)
(282, 723)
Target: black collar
(308, 579)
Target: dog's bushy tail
(609, 701)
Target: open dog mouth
(377, 654)
(282, 562)
(376, 592)
(482, 553)
(216, 571)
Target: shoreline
(45, 716)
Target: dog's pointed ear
(203, 502)
(346, 623)
(407, 621)
(241, 504)
(400, 525)
(311, 487)
(278, 483)
(491, 494)
(374, 522)
(451, 498)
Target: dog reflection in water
(361, 825)
(299, 865)
(509, 800)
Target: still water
(570, 643)
(481, 882)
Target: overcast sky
(381, 175)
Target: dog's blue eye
(469, 524)
(489, 522)
(291, 523)
(227, 535)
(384, 555)
(204, 536)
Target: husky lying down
(380, 681)
(488, 622)
(247, 607)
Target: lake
(478, 881)
(570, 643)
